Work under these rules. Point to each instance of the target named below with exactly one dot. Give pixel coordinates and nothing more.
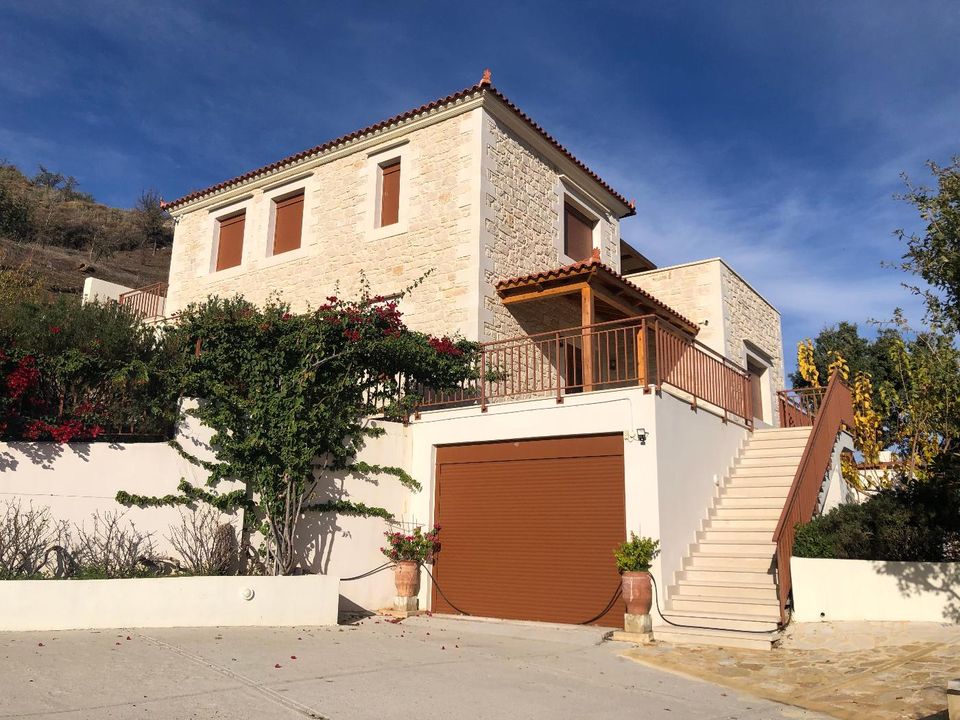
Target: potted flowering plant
(634, 558)
(408, 552)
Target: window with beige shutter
(230, 240)
(577, 233)
(389, 194)
(288, 223)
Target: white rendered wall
(695, 450)
(855, 590)
(95, 289)
(167, 602)
(610, 411)
(670, 481)
(344, 546)
(76, 480)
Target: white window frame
(376, 161)
(570, 197)
(755, 356)
(224, 212)
(282, 192)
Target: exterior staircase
(727, 586)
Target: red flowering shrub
(446, 346)
(69, 371)
(418, 546)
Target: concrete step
(716, 638)
(759, 562)
(781, 432)
(747, 591)
(722, 511)
(772, 450)
(776, 471)
(778, 442)
(746, 490)
(726, 522)
(748, 460)
(728, 548)
(732, 502)
(760, 609)
(723, 620)
(725, 535)
(696, 574)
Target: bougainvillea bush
(72, 371)
(417, 546)
(290, 396)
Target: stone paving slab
(886, 671)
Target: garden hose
(606, 609)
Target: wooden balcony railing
(832, 411)
(147, 302)
(799, 406)
(635, 351)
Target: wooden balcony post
(586, 321)
(483, 379)
(560, 373)
(642, 354)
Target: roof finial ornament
(595, 255)
(485, 80)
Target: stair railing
(834, 412)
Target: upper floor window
(577, 233)
(230, 240)
(389, 194)
(288, 223)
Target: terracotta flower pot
(637, 592)
(406, 575)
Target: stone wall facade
(437, 232)
(522, 229)
(693, 290)
(750, 319)
(734, 319)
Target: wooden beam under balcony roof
(605, 285)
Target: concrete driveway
(421, 668)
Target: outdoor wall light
(642, 436)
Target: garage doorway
(529, 528)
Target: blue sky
(771, 134)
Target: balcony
(643, 351)
(146, 302)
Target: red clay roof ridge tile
(483, 86)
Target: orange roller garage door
(529, 528)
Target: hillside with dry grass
(52, 230)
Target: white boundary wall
(97, 290)
(862, 590)
(168, 602)
(77, 480)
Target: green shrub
(72, 371)
(636, 554)
(915, 521)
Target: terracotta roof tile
(483, 86)
(583, 267)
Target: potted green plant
(634, 558)
(409, 552)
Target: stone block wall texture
(727, 309)
(522, 231)
(482, 204)
(340, 242)
(750, 318)
(694, 291)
